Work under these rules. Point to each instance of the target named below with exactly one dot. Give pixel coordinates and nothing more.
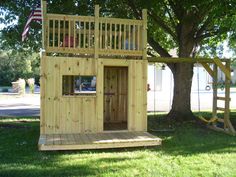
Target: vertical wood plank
(42, 92)
(214, 85)
(129, 39)
(100, 87)
(59, 34)
(115, 37)
(84, 40)
(105, 34)
(89, 35)
(79, 44)
(119, 42)
(138, 37)
(53, 33)
(110, 24)
(133, 42)
(64, 32)
(74, 35)
(125, 40)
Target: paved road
(13, 105)
(28, 105)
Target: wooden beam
(208, 69)
(223, 68)
(181, 60)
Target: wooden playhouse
(93, 82)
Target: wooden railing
(94, 35)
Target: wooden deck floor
(97, 141)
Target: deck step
(97, 141)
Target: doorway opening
(115, 98)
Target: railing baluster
(133, 44)
(64, 32)
(100, 35)
(125, 40)
(129, 37)
(89, 36)
(58, 33)
(48, 35)
(105, 34)
(110, 35)
(138, 37)
(53, 33)
(79, 44)
(119, 43)
(69, 33)
(115, 37)
(84, 34)
(74, 35)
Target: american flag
(35, 15)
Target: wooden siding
(84, 113)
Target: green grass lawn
(190, 150)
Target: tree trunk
(181, 104)
(182, 74)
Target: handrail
(76, 34)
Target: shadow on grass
(191, 138)
(20, 157)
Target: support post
(96, 31)
(214, 86)
(227, 101)
(44, 23)
(42, 66)
(144, 34)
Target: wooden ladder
(223, 123)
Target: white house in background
(160, 78)
(233, 74)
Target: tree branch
(137, 14)
(206, 35)
(170, 15)
(162, 24)
(157, 47)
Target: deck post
(96, 31)
(44, 22)
(144, 31)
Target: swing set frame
(222, 124)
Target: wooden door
(115, 95)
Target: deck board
(97, 141)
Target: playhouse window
(75, 85)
